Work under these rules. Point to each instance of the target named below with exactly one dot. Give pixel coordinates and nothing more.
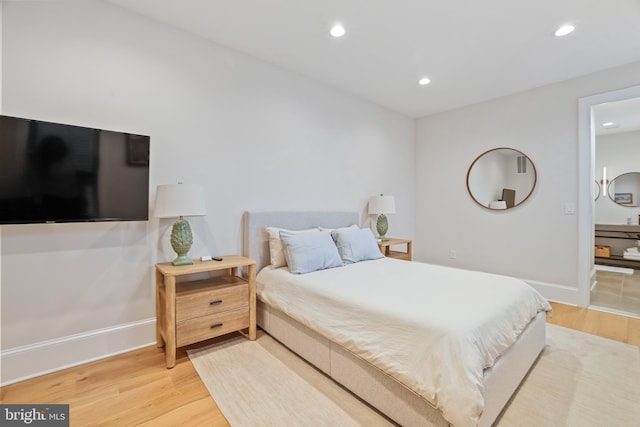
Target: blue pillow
(307, 252)
(356, 245)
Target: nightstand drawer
(201, 298)
(211, 326)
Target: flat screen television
(52, 172)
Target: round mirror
(595, 190)
(501, 178)
(624, 189)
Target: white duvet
(432, 328)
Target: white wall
(620, 154)
(1, 44)
(256, 136)
(536, 241)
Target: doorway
(608, 281)
(617, 210)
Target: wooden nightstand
(196, 310)
(385, 248)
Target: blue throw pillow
(307, 252)
(356, 245)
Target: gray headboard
(255, 241)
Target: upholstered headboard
(255, 241)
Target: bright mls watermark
(34, 415)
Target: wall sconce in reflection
(604, 180)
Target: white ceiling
(625, 116)
(471, 50)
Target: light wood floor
(136, 389)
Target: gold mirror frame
(511, 198)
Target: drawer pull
(217, 325)
(216, 302)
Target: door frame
(586, 176)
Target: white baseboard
(22, 363)
(613, 269)
(557, 293)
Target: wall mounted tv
(52, 172)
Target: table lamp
(180, 200)
(381, 205)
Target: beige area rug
(580, 380)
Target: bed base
(385, 393)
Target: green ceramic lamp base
(382, 225)
(181, 241)
(182, 260)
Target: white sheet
(433, 328)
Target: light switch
(569, 208)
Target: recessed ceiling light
(608, 125)
(564, 30)
(424, 81)
(337, 30)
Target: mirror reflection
(501, 178)
(624, 189)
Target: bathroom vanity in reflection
(618, 238)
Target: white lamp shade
(174, 200)
(382, 205)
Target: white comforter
(433, 328)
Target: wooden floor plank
(200, 413)
(633, 336)
(608, 325)
(135, 388)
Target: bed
(402, 391)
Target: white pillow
(308, 252)
(356, 245)
(276, 253)
(351, 227)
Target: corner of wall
(1, 5)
